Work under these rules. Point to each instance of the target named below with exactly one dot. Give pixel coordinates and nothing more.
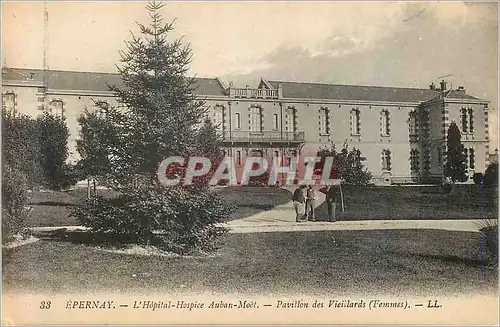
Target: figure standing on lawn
(333, 195)
(298, 203)
(310, 203)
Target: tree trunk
(95, 189)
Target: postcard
(288, 162)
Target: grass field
(465, 202)
(349, 263)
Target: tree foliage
(347, 165)
(455, 166)
(491, 175)
(54, 135)
(157, 116)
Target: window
(275, 121)
(355, 123)
(238, 158)
(323, 121)
(386, 160)
(257, 153)
(471, 121)
(414, 160)
(57, 108)
(9, 102)
(464, 120)
(237, 120)
(471, 159)
(219, 118)
(255, 119)
(385, 123)
(276, 154)
(290, 119)
(412, 123)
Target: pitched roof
(92, 81)
(361, 92)
(353, 92)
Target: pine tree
(455, 166)
(158, 115)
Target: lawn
(399, 202)
(342, 263)
(53, 208)
(465, 202)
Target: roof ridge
(356, 85)
(59, 70)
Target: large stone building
(401, 131)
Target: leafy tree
(455, 167)
(157, 116)
(21, 147)
(347, 165)
(96, 143)
(53, 138)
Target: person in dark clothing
(332, 193)
(298, 200)
(310, 203)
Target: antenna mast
(45, 43)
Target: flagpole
(342, 197)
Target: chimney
(443, 85)
(432, 86)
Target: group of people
(304, 202)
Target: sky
(404, 44)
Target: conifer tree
(455, 166)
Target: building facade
(401, 131)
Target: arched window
(290, 119)
(256, 119)
(355, 122)
(9, 102)
(414, 160)
(412, 123)
(219, 118)
(237, 120)
(385, 123)
(238, 158)
(323, 121)
(463, 112)
(57, 108)
(471, 120)
(386, 160)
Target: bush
(477, 178)
(489, 234)
(174, 219)
(14, 200)
(491, 175)
(21, 147)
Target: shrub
(491, 175)
(489, 234)
(477, 178)
(14, 200)
(174, 219)
(21, 147)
